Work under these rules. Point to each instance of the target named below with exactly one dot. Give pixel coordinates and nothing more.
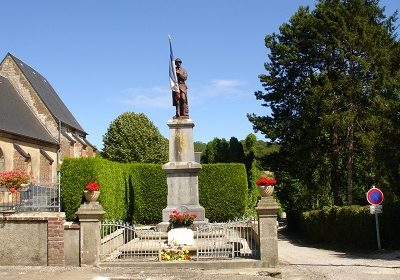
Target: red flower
(14, 179)
(266, 181)
(178, 219)
(93, 186)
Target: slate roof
(17, 118)
(48, 95)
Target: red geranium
(14, 179)
(266, 181)
(93, 186)
(178, 219)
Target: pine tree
(332, 85)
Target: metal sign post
(375, 198)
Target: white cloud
(160, 97)
(155, 97)
(220, 88)
(226, 84)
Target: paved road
(330, 264)
(298, 262)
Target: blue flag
(173, 80)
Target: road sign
(375, 209)
(375, 196)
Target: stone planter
(183, 236)
(266, 190)
(92, 195)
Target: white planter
(183, 236)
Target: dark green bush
(223, 191)
(352, 226)
(138, 192)
(149, 184)
(390, 226)
(75, 173)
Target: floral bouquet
(93, 186)
(14, 179)
(174, 251)
(177, 219)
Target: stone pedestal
(267, 209)
(90, 214)
(182, 173)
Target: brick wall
(19, 162)
(55, 241)
(45, 170)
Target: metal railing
(33, 198)
(236, 239)
(120, 240)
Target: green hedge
(76, 173)
(138, 192)
(352, 226)
(223, 191)
(149, 184)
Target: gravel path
(297, 262)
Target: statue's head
(178, 60)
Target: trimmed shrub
(223, 191)
(75, 173)
(352, 226)
(137, 192)
(149, 185)
(390, 226)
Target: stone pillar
(90, 214)
(267, 209)
(182, 173)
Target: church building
(37, 131)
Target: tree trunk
(349, 165)
(335, 170)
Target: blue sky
(105, 58)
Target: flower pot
(182, 235)
(9, 197)
(266, 190)
(92, 195)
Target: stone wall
(32, 239)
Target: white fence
(227, 240)
(122, 241)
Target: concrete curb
(218, 264)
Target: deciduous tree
(132, 137)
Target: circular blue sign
(375, 196)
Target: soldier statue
(180, 99)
